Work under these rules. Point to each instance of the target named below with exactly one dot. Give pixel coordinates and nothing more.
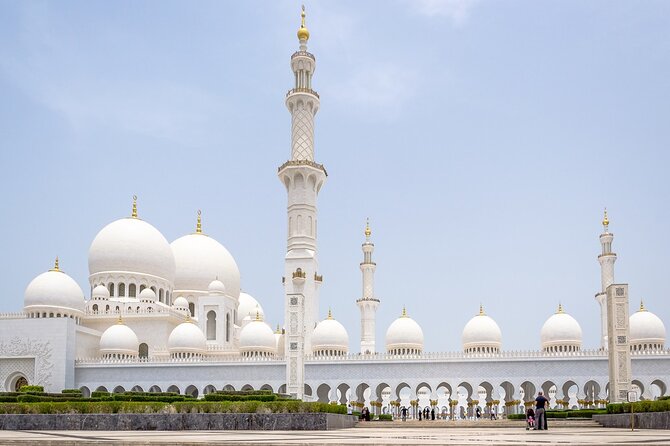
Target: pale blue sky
(482, 138)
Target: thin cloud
(457, 11)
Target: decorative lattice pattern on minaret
(302, 135)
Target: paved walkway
(368, 436)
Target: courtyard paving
(396, 433)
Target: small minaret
(606, 259)
(303, 179)
(368, 303)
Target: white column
(618, 348)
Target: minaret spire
(606, 260)
(303, 179)
(368, 303)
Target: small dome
(131, 245)
(119, 340)
(199, 258)
(147, 295)
(216, 287)
(53, 290)
(279, 341)
(646, 329)
(248, 306)
(404, 335)
(329, 335)
(561, 333)
(180, 303)
(481, 334)
(100, 292)
(187, 338)
(257, 339)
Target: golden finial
(278, 330)
(303, 34)
(368, 231)
(606, 221)
(134, 214)
(404, 312)
(560, 309)
(258, 314)
(481, 310)
(55, 268)
(330, 314)
(120, 320)
(642, 306)
(198, 225)
(188, 317)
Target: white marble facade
(166, 316)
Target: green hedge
(80, 406)
(71, 391)
(385, 417)
(641, 406)
(244, 392)
(31, 389)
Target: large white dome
(119, 339)
(257, 338)
(561, 333)
(646, 329)
(201, 259)
(481, 334)
(53, 290)
(186, 338)
(330, 336)
(134, 246)
(404, 335)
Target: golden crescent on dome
(303, 33)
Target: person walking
(403, 413)
(540, 413)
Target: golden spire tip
(560, 309)
(368, 231)
(404, 312)
(642, 306)
(330, 313)
(606, 220)
(56, 267)
(303, 33)
(134, 214)
(198, 225)
(481, 310)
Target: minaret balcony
(302, 90)
(318, 278)
(299, 276)
(303, 54)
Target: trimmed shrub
(250, 397)
(516, 416)
(24, 389)
(640, 406)
(385, 417)
(8, 399)
(78, 391)
(99, 394)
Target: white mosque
(171, 317)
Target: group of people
(537, 419)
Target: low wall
(643, 420)
(177, 422)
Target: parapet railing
(302, 90)
(17, 315)
(170, 360)
(303, 53)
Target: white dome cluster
(54, 294)
(404, 336)
(561, 333)
(647, 331)
(119, 341)
(330, 338)
(481, 334)
(257, 339)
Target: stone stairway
(555, 423)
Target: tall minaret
(606, 259)
(368, 303)
(303, 179)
